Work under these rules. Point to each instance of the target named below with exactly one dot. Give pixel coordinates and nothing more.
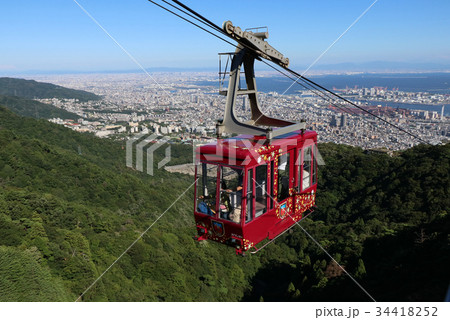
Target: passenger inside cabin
(231, 193)
(206, 190)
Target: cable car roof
(252, 149)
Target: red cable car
(249, 190)
(258, 184)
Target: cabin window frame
(271, 188)
(249, 204)
(201, 187)
(311, 167)
(261, 185)
(288, 169)
(314, 163)
(237, 206)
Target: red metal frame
(248, 152)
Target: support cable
(313, 84)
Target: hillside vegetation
(35, 109)
(385, 219)
(80, 212)
(40, 90)
(69, 207)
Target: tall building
(343, 120)
(244, 104)
(335, 121)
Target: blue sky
(56, 35)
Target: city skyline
(57, 36)
(132, 105)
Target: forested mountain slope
(385, 219)
(78, 212)
(69, 207)
(35, 109)
(40, 90)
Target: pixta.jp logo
(144, 152)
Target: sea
(438, 83)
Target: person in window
(231, 198)
(238, 188)
(235, 216)
(206, 205)
(235, 203)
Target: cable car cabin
(249, 189)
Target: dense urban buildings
(186, 107)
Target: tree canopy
(66, 215)
(32, 89)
